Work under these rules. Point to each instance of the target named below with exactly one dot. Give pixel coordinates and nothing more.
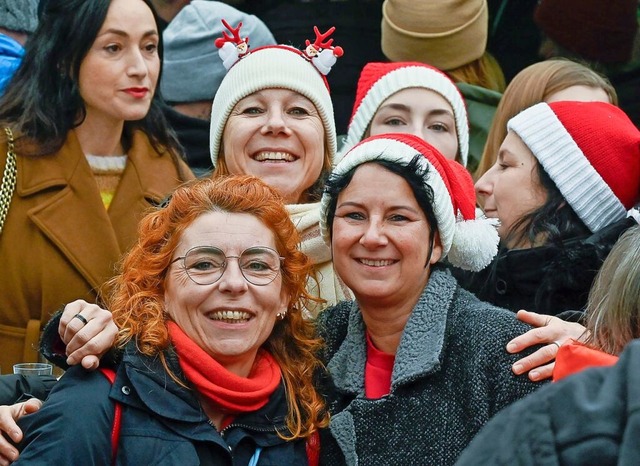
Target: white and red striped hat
(379, 81)
(469, 243)
(591, 151)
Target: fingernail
(517, 368)
(534, 375)
(511, 347)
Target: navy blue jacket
(15, 388)
(162, 423)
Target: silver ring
(555, 343)
(81, 318)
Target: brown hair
(613, 309)
(533, 85)
(137, 299)
(484, 72)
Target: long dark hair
(413, 172)
(555, 220)
(43, 101)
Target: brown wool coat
(59, 243)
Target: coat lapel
(420, 347)
(140, 188)
(347, 364)
(422, 341)
(69, 211)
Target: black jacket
(15, 388)
(193, 135)
(590, 418)
(548, 279)
(162, 423)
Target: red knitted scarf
(232, 393)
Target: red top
(377, 372)
(573, 357)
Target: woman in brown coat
(92, 152)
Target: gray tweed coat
(451, 374)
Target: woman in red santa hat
(565, 178)
(417, 363)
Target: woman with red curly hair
(217, 360)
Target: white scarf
(306, 218)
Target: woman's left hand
(550, 331)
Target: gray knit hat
(19, 15)
(192, 69)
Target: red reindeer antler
(319, 44)
(235, 39)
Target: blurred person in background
(452, 36)
(192, 71)
(603, 34)
(18, 19)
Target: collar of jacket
(570, 265)
(421, 345)
(65, 179)
(154, 390)
(69, 161)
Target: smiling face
(118, 76)
(421, 112)
(278, 136)
(380, 238)
(511, 188)
(231, 318)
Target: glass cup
(33, 368)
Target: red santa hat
(379, 81)
(469, 243)
(591, 151)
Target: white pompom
(228, 54)
(324, 61)
(475, 244)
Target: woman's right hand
(86, 343)
(8, 417)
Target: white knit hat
(274, 67)
(591, 151)
(470, 243)
(379, 81)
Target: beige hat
(444, 33)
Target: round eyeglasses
(206, 264)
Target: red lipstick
(137, 92)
